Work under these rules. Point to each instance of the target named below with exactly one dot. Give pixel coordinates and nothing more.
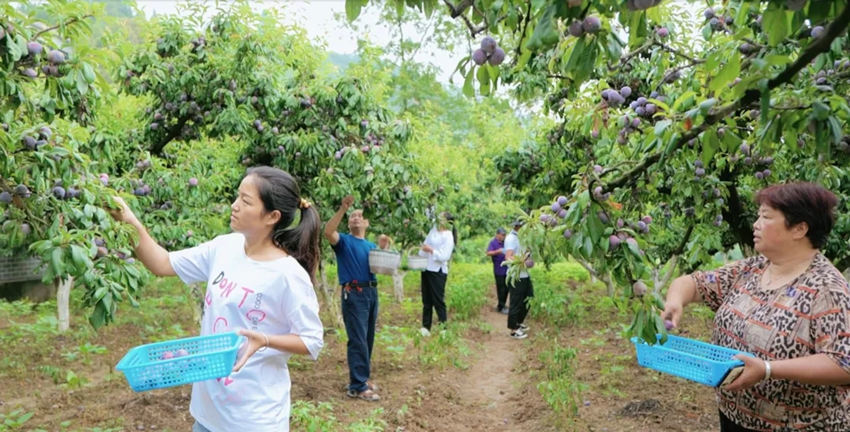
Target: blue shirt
(352, 259)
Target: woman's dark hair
(803, 202)
(451, 220)
(279, 191)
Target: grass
(168, 309)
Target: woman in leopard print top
(791, 308)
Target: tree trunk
(63, 295)
(398, 285)
(330, 298)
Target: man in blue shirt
(359, 296)
(496, 251)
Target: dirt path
(490, 383)
(493, 394)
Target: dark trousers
(359, 312)
(727, 425)
(520, 292)
(501, 291)
(433, 296)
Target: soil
(497, 392)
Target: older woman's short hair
(803, 202)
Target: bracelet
(766, 370)
(263, 348)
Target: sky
(317, 17)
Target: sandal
(369, 385)
(366, 395)
(372, 386)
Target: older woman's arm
(682, 291)
(817, 369)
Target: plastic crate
(691, 359)
(160, 364)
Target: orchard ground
(469, 377)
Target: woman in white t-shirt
(259, 283)
(438, 248)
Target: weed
(14, 420)
(560, 390)
(313, 417)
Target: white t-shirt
(512, 243)
(443, 244)
(273, 297)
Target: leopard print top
(809, 315)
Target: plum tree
(750, 114)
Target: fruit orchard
(173, 123)
(629, 135)
(663, 131)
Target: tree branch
(602, 277)
(524, 29)
(632, 54)
(836, 28)
(173, 132)
(458, 11)
(674, 51)
(69, 22)
(685, 238)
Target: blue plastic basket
(688, 358)
(159, 365)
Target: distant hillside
(342, 61)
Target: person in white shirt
(521, 289)
(260, 283)
(438, 248)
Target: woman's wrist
(266, 345)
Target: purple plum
(497, 57)
(488, 44)
(479, 57)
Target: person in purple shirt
(496, 252)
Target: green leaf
(468, 89)
(835, 128)
(494, 72)
(775, 23)
(78, 256)
(777, 59)
(634, 248)
(661, 126)
(710, 144)
(706, 105)
(82, 84)
(820, 110)
(765, 99)
(683, 101)
(99, 315)
(483, 81)
(24, 418)
(352, 9)
(545, 33)
(17, 46)
(88, 73)
(637, 29)
(727, 73)
(56, 261)
(640, 320)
